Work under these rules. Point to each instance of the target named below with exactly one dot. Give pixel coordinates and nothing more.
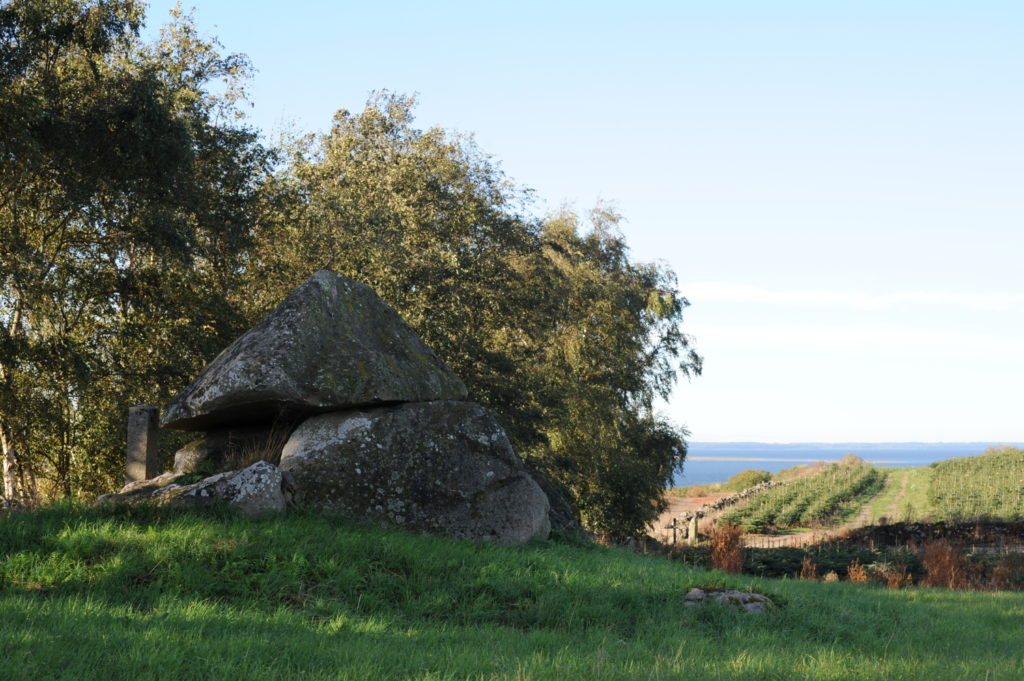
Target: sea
(708, 462)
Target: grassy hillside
(971, 487)
(986, 486)
(904, 498)
(91, 594)
(749, 478)
(828, 498)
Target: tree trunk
(9, 460)
(9, 465)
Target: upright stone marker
(142, 461)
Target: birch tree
(125, 185)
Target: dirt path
(661, 529)
(894, 508)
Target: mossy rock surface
(332, 344)
(441, 467)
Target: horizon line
(858, 442)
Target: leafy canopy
(143, 227)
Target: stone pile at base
(362, 418)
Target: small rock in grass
(750, 602)
(695, 594)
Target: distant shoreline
(910, 446)
(709, 462)
(755, 458)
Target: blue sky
(838, 185)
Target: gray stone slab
(332, 344)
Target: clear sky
(838, 185)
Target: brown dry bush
(857, 572)
(894, 575)
(726, 551)
(946, 566)
(808, 570)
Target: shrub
(747, 479)
(808, 570)
(945, 566)
(857, 572)
(829, 497)
(978, 486)
(1008, 573)
(726, 550)
(894, 575)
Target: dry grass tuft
(857, 572)
(808, 570)
(726, 549)
(268, 450)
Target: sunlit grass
(88, 594)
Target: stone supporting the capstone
(142, 461)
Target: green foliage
(149, 594)
(126, 198)
(142, 231)
(828, 498)
(989, 485)
(746, 479)
(549, 324)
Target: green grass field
(148, 594)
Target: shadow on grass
(172, 595)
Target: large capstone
(332, 344)
(441, 467)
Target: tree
(612, 346)
(424, 218)
(141, 229)
(556, 331)
(126, 191)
